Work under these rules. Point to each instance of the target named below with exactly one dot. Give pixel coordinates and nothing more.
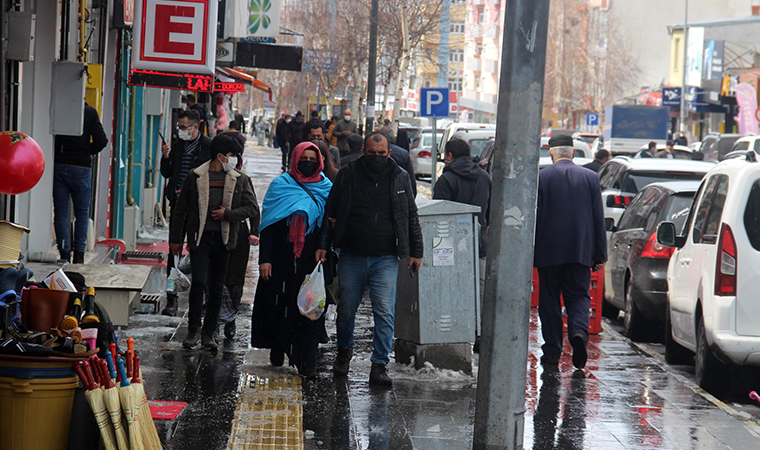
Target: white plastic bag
(177, 281)
(312, 295)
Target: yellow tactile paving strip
(269, 414)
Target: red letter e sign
(175, 36)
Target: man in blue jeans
(372, 218)
(72, 178)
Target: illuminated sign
(182, 81)
(228, 87)
(175, 36)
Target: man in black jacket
(214, 200)
(186, 153)
(295, 135)
(372, 218)
(72, 177)
(355, 144)
(463, 181)
(602, 156)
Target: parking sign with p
(434, 102)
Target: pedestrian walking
(602, 156)
(464, 181)
(317, 133)
(238, 117)
(237, 267)
(332, 139)
(372, 218)
(668, 153)
(681, 139)
(186, 153)
(234, 131)
(313, 121)
(190, 100)
(214, 199)
(355, 146)
(570, 242)
(343, 129)
(295, 135)
(72, 178)
(648, 152)
(402, 139)
(282, 139)
(293, 210)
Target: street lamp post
(371, 70)
(682, 126)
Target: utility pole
(682, 126)
(500, 408)
(372, 70)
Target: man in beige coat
(214, 199)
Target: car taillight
(653, 249)
(618, 201)
(424, 154)
(725, 266)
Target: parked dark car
(635, 277)
(716, 146)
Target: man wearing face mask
(371, 197)
(186, 153)
(213, 201)
(343, 129)
(281, 132)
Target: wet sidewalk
(624, 399)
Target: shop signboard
(671, 96)
(695, 56)
(746, 97)
(175, 36)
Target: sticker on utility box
(443, 252)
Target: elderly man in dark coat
(570, 242)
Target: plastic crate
(596, 292)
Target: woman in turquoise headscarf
(293, 208)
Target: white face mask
(347, 118)
(230, 164)
(186, 135)
(287, 120)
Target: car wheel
(711, 374)
(674, 352)
(633, 322)
(609, 310)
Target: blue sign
(592, 119)
(671, 96)
(434, 102)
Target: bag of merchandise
(312, 296)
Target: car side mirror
(609, 224)
(666, 234)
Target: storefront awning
(247, 78)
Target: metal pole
(500, 407)
(682, 126)
(369, 119)
(434, 157)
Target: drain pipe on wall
(131, 150)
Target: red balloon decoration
(22, 163)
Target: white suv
(714, 274)
(623, 177)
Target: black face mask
(307, 168)
(375, 163)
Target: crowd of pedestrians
(348, 203)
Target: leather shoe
(579, 351)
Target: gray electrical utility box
(67, 98)
(438, 305)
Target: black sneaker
(342, 361)
(229, 330)
(276, 357)
(378, 376)
(78, 257)
(192, 339)
(309, 373)
(208, 342)
(579, 351)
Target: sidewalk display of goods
(54, 334)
